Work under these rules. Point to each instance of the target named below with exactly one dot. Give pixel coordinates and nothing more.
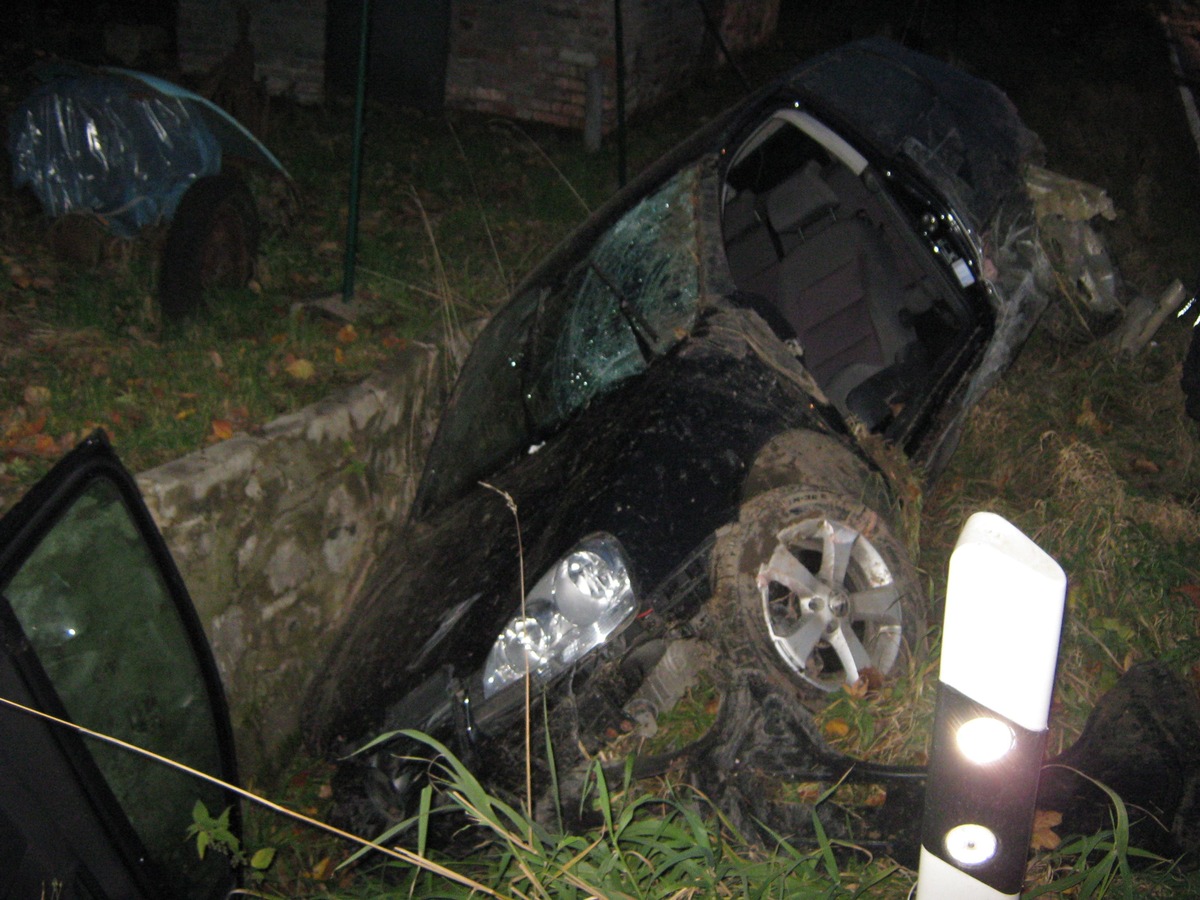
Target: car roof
(963, 132)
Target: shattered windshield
(632, 299)
(571, 338)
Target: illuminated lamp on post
(1004, 609)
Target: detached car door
(97, 627)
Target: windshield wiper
(643, 331)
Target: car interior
(817, 249)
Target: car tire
(852, 605)
(212, 243)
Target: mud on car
(661, 460)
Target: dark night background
(1092, 78)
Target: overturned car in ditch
(668, 453)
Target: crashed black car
(669, 447)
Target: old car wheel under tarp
(212, 243)
(813, 588)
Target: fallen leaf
(338, 356)
(1190, 592)
(20, 276)
(45, 447)
(222, 429)
(184, 414)
(322, 870)
(1087, 418)
(215, 358)
(858, 690)
(809, 793)
(36, 395)
(23, 428)
(300, 369)
(837, 728)
(1044, 823)
(869, 679)
(347, 334)
(1146, 466)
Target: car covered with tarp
(135, 151)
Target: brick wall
(525, 59)
(531, 59)
(288, 38)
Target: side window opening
(812, 242)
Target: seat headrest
(800, 199)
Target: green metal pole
(356, 161)
(619, 42)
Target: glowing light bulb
(971, 845)
(984, 740)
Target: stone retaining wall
(274, 533)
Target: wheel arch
(805, 458)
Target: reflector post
(1003, 620)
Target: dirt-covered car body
(803, 276)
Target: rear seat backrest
(799, 203)
(748, 244)
(760, 230)
(828, 271)
(840, 292)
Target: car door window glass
(93, 603)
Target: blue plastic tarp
(120, 144)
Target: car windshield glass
(631, 299)
(105, 628)
(570, 338)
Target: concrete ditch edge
(274, 533)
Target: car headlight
(572, 609)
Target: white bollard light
(1004, 608)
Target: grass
(85, 348)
